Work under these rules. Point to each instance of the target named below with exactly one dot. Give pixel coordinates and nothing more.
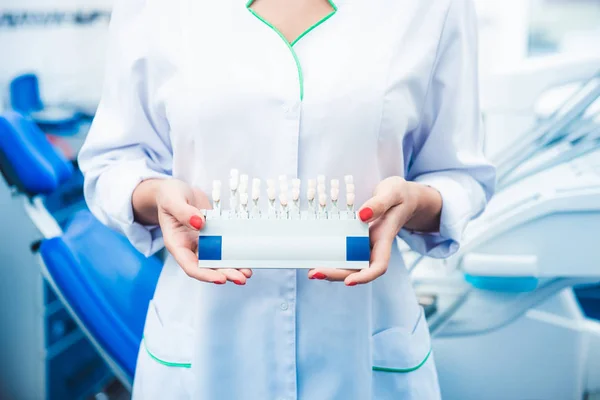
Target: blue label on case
(210, 247)
(358, 248)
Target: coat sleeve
(447, 152)
(128, 141)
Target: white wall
(68, 57)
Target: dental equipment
(512, 283)
(580, 138)
(91, 297)
(512, 96)
(286, 236)
(550, 131)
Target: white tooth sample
(296, 183)
(322, 199)
(350, 199)
(321, 179)
(216, 195)
(312, 183)
(244, 183)
(271, 193)
(295, 194)
(244, 199)
(335, 193)
(310, 195)
(255, 183)
(321, 188)
(335, 183)
(350, 188)
(283, 199)
(233, 184)
(255, 193)
(270, 183)
(348, 179)
(234, 178)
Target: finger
(380, 258)
(186, 214)
(201, 200)
(387, 195)
(247, 272)
(188, 261)
(329, 274)
(234, 275)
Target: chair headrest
(27, 159)
(25, 94)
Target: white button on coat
(194, 88)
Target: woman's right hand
(178, 208)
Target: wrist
(145, 201)
(427, 208)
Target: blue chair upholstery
(27, 159)
(25, 98)
(106, 282)
(25, 94)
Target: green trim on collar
(290, 45)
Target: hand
(179, 216)
(393, 204)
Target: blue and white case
(284, 243)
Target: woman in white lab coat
(383, 90)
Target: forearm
(426, 217)
(143, 202)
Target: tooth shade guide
(295, 194)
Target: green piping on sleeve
(290, 45)
(403, 370)
(163, 362)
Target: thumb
(386, 196)
(186, 214)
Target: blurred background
(513, 316)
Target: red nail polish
(351, 284)
(238, 282)
(218, 283)
(319, 275)
(196, 222)
(365, 214)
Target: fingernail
(351, 284)
(237, 282)
(218, 283)
(319, 275)
(196, 222)
(365, 214)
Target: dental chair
(508, 324)
(26, 99)
(104, 283)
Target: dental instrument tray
(284, 235)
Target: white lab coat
(195, 88)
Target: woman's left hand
(394, 203)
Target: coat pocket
(164, 362)
(403, 366)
